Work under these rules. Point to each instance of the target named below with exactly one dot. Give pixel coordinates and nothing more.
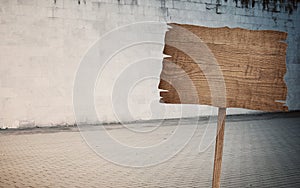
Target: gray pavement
(259, 151)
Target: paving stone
(259, 151)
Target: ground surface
(260, 151)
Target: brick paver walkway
(260, 151)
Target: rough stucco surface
(42, 44)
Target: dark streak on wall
(269, 5)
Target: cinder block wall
(42, 43)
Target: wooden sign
(226, 67)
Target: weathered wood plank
(219, 148)
(224, 67)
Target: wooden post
(219, 148)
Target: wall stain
(287, 6)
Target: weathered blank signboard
(224, 67)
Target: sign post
(225, 68)
(219, 148)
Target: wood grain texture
(219, 148)
(224, 67)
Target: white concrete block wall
(42, 44)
